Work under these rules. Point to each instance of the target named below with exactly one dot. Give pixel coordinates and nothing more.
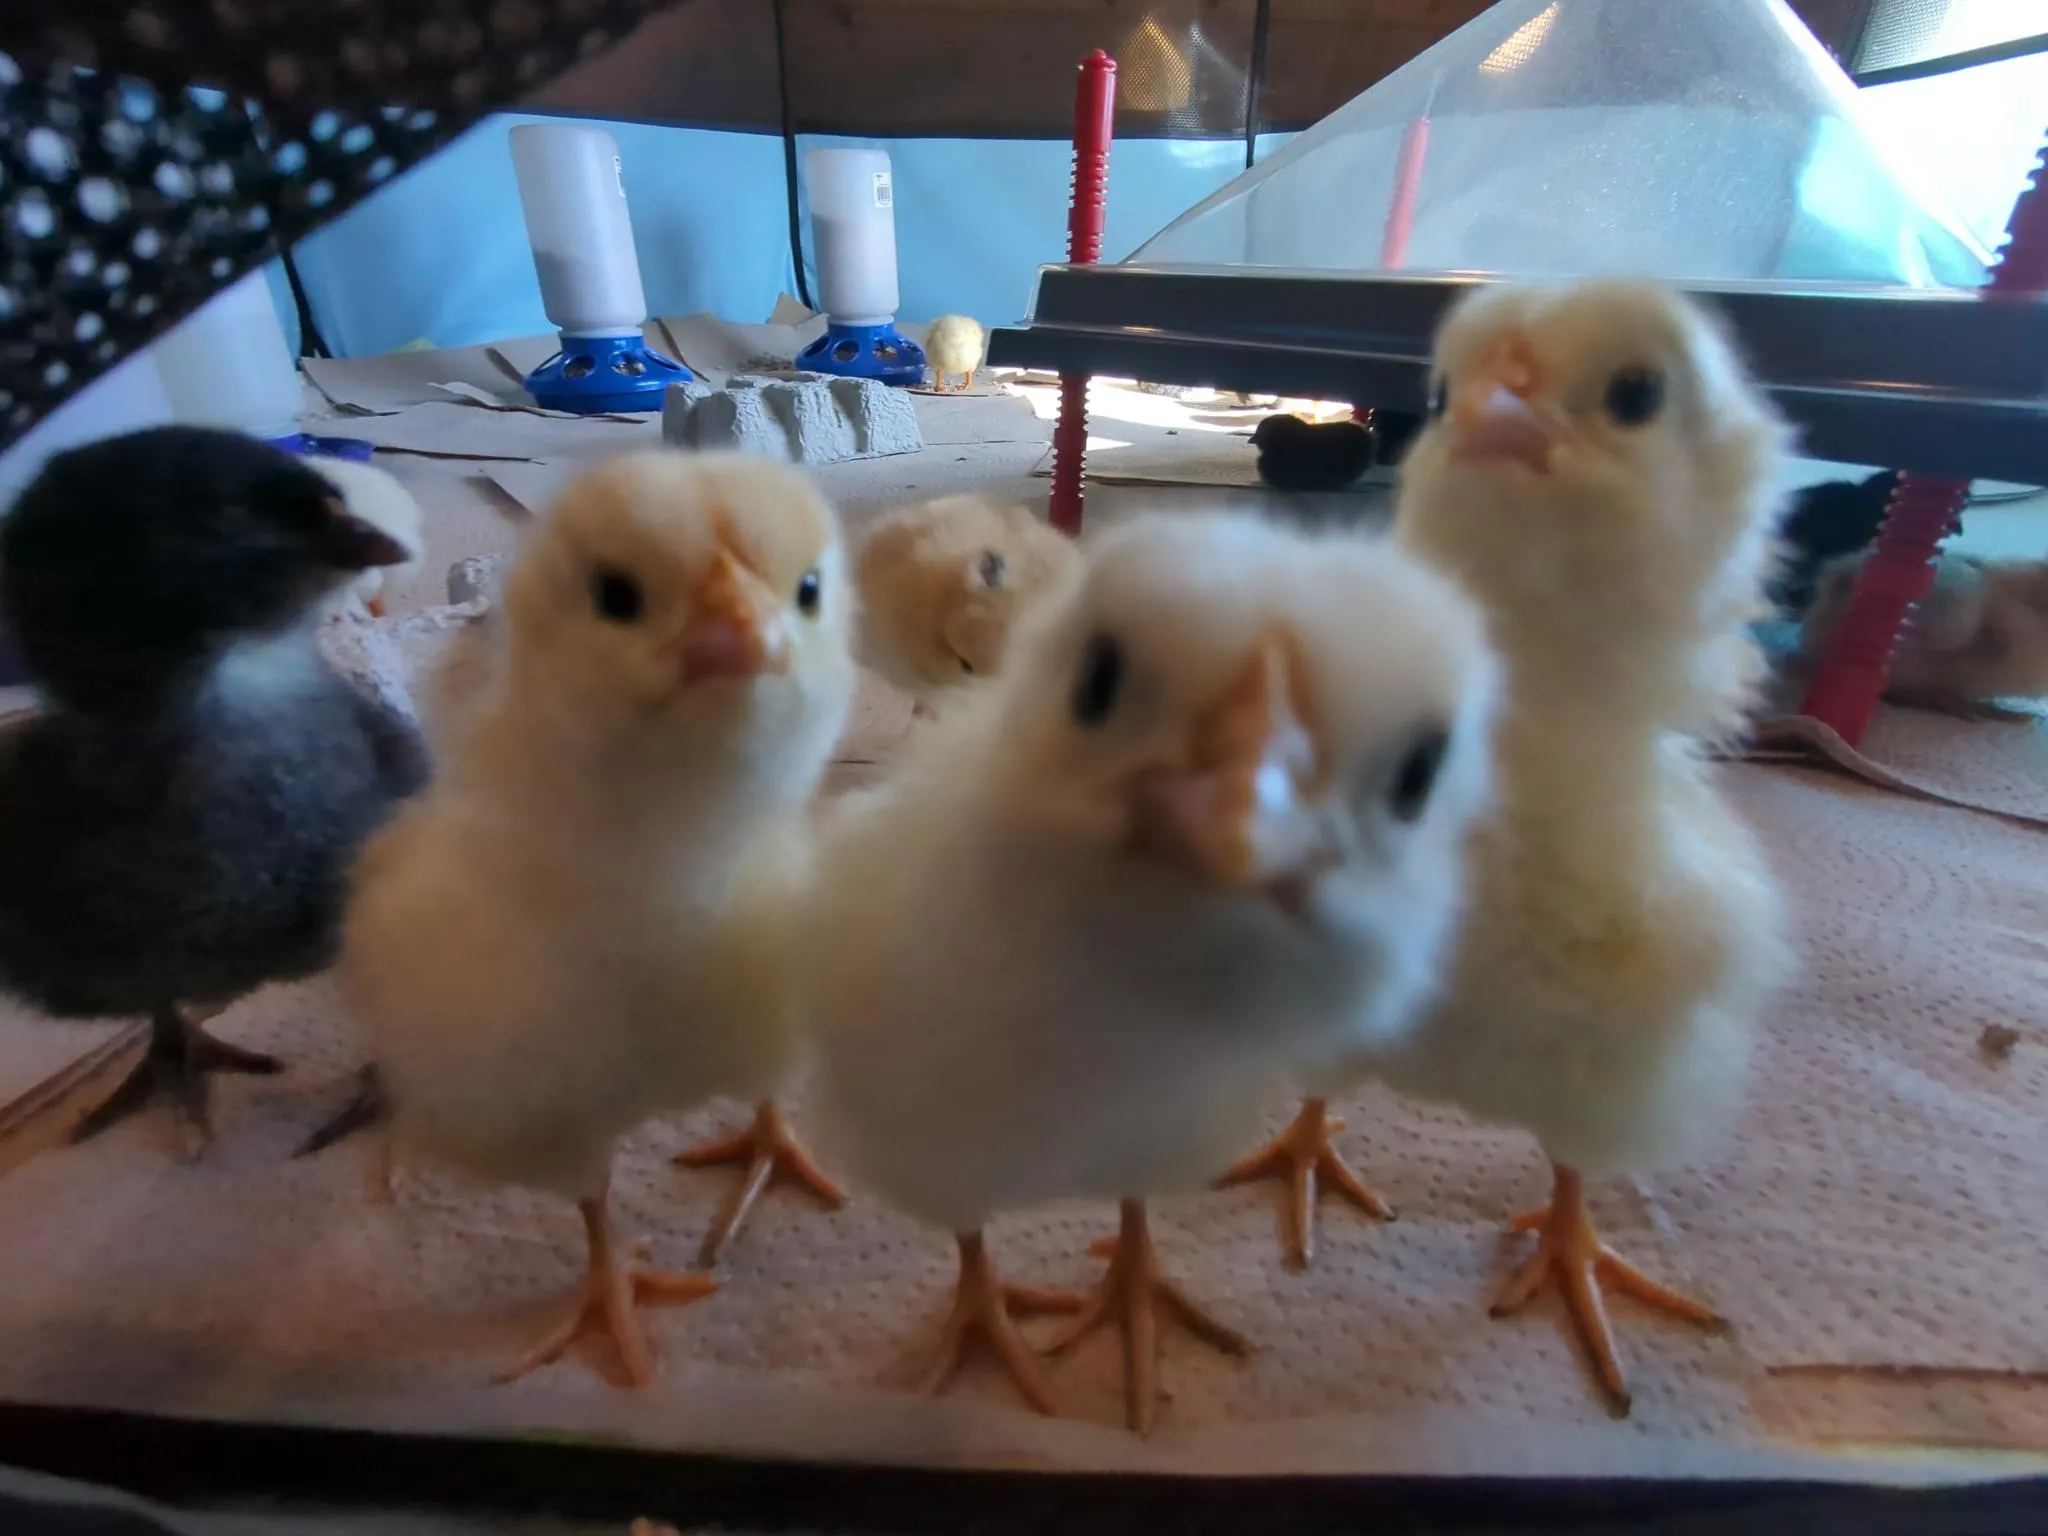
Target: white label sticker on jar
(619, 170)
(885, 191)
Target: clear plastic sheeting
(1706, 142)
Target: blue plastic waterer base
(356, 449)
(593, 374)
(866, 352)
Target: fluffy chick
(1599, 473)
(1980, 634)
(1297, 455)
(1203, 828)
(943, 584)
(953, 345)
(177, 825)
(379, 500)
(1826, 522)
(586, 920)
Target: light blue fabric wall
(441, 253)
(976, 218)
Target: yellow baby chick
(953, 344)
(1980, 634)
(943, 584)
(586, 919)
(1202, 829)
(1598, 471)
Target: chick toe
(1129, 1296)
(1570, 1255)
(770, 1150)
(1303, 1154)
(612, 1296)
(984, 1307)
(174, 1066)
(366, 1109)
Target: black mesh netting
(150, 154)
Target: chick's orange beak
(734, 630)
(1241, 813)
(376, 606)
(1492, 413)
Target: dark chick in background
(1298, 455)
(177, 825)
(1827, 521)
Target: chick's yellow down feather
(944, 583)
(953, 344)
(1599, 474)
(588, 917)
(1203, 829)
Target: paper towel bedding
(1877, 1229)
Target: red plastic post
(1401, 213)
(1094, 123)
(1407, 184)
(1845, 691)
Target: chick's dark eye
(1635, 396)
(808, 591)
(991, 569)
(1099, 681)
(1439, 398)
(1416, 777)
(965, 665)
(616, 596)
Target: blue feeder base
(866, 352)
(354, 448)
(597, 374)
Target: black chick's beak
(348, 543)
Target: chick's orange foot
(770, 1150)
(1130, 1296)
(175, 1066)
(1570, 1256)
(985, 1308)
(1304, 1156)
(609, 1306)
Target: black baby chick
(1825, 522)
(177, 825)
(1297, 455)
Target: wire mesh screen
(1902, 32)
(1004, 68)
(1905, 32)
(127, 199)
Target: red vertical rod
(1401, 211)
(1094, 121)
(1845, 691)
(1407, 184)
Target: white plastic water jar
(853, 233)
(227, 364)
(573, 190)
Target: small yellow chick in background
(1980, 634)
(943, 584)
(379, 500)
(589, 916)
(953, 346)
(1202, 830)
(1598, 471)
